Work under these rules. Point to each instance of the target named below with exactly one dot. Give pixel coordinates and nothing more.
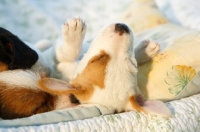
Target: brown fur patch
(3, 67)
(93, 75)
(135, 105)
(18, 102)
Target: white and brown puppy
(107, 74)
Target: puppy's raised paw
(151, 48)
(146, 50)
(73, 31)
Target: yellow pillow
(142, 15)
(174, 72)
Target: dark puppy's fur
(18, 101)
(14, 53)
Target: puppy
(16, 54)
(107, 74)
(19, 66)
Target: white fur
(22, 78)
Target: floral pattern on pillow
(178, 78)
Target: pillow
(67, 114)
(142, 15)
(174, 72)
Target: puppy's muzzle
(121, 28)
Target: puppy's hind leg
(146, 50)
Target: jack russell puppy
(106, 75)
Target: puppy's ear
(56, 87)
(6, 51)
(154, 107)
(17, 54)
(157, 108)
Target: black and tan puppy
(19, 65)
(14, 53)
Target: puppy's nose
(121, 28)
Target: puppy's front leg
(146, 50)
(62, 57)
(69, 49)
(73, 33)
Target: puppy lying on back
(107, 74)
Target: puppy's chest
(119, 83)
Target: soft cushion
(174, 72)
(142, 15)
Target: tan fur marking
(93, 75)
(17, 102)
(135, 105)
(3, 67)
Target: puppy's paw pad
(74, 29)
(74, 26)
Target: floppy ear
(154, 107)
(157, 108)
(55, 86)
(18, 54)
(6, 53)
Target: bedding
(141, 15)
(186, 117)
(36, 20)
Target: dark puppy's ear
(6, 53)
(17, 54)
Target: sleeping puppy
(15, 54)
(107, 73)
(19, 64)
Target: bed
(42, 20)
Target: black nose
(121, 28)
